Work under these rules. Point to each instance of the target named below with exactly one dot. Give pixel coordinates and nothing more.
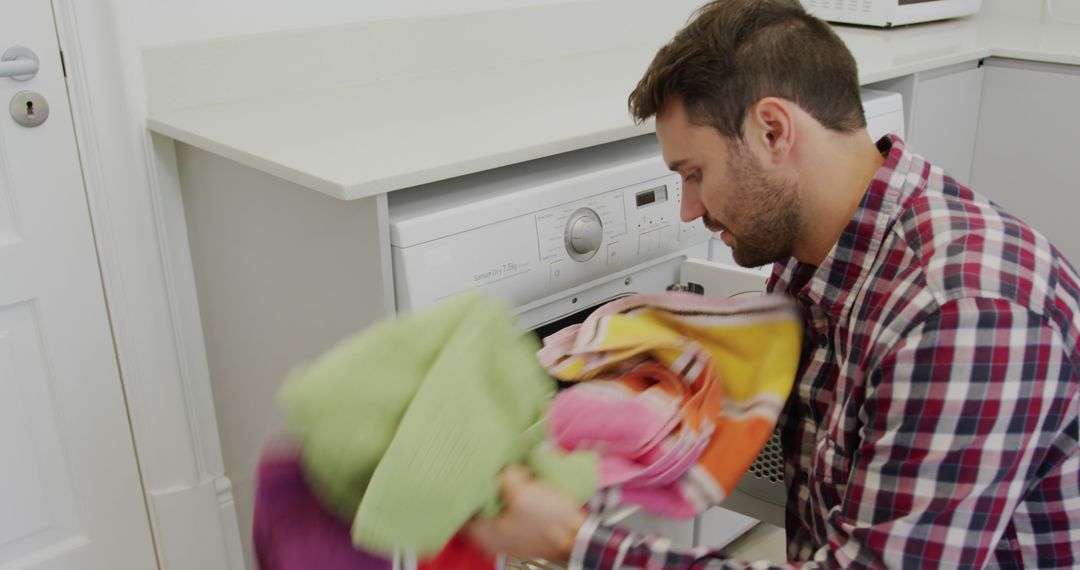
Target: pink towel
(644, 450)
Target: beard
(765, 210)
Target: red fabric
(459, 554)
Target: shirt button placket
(820, 327)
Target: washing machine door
(760, 495)
(762, 501)
(714, 279)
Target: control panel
(548, 251)
(578, 230)
(540, 229)
(621, 227)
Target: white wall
(1037, 10)
(1061, 10)
(1013, 8)
(164, 21)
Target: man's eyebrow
(675, 166)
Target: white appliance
(552, 236)
(889, 13)
(559, 236)
(884, 112)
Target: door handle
(18, 63)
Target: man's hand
(537, 520)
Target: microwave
(889, 13)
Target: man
(934, 419)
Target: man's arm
(957, 419)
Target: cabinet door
(70, 495)
(1025, 154)
(944, 117)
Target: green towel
(404, 428)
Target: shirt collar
(848, 263)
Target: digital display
(650, 196)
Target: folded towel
(689, 392)
(404, 428)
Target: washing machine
(556, 238)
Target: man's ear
(770, 129)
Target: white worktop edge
(344, 191)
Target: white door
(713, 279)
(70, 494)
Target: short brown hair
(735, 52)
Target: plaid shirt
(935, 419)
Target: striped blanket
(683, 392)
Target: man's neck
(834, 175)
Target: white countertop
(366, 131)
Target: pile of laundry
(401, 431)
(678, 393)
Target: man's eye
(692, 177)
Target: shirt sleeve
(956, 421)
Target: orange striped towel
(692, 390)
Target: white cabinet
(1025, 154)
(282, 273)
(944, 117)
(1004, 128)
(942, 111)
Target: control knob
(584, 234)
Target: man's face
(726, 185)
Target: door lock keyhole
(29, 108)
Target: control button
(648, 242)
(557, 270)
(666, 237)
(613, 253)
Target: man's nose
(691, 208)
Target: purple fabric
(291, 531)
